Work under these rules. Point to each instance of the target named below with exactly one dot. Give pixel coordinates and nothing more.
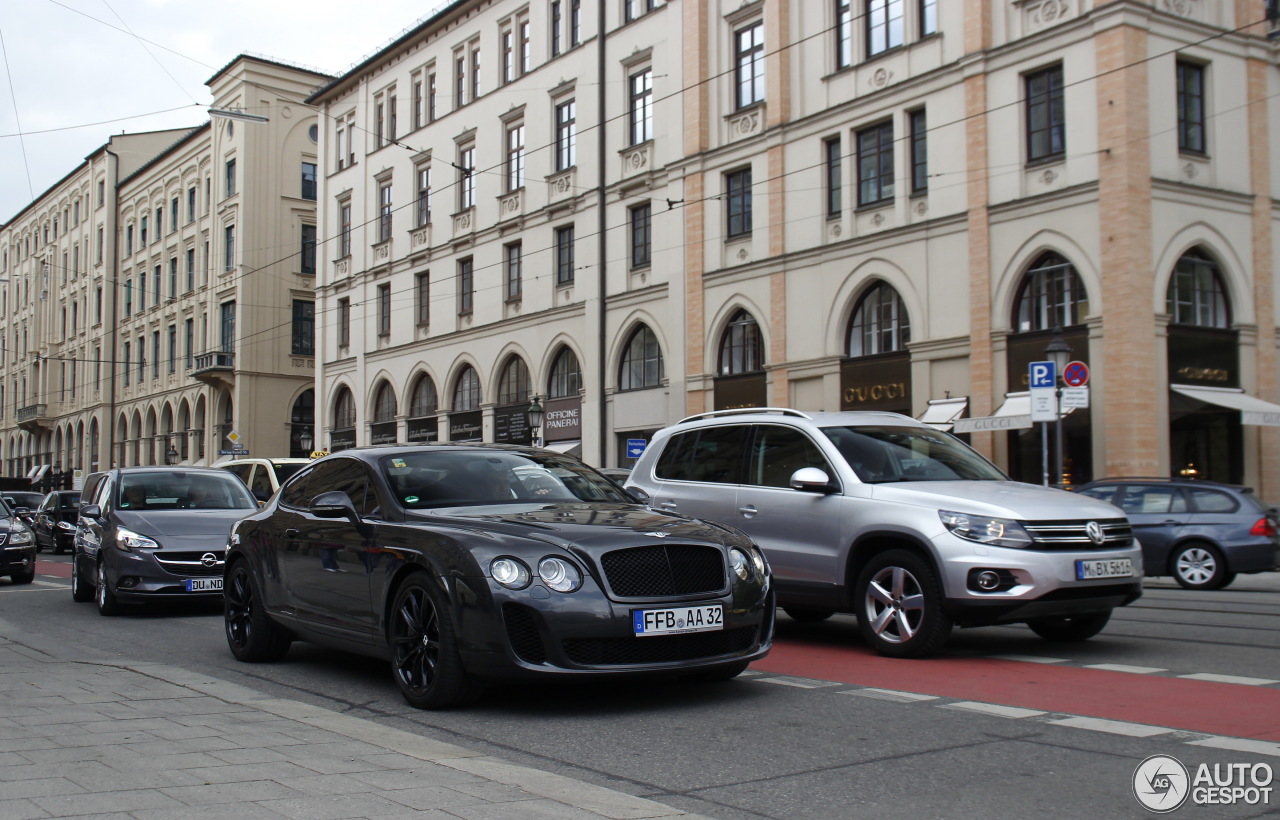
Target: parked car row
(462, 564)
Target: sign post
(1043, 379)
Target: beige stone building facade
(636, 210)
(160, 296)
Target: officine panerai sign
(562, 420)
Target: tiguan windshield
(883, 454)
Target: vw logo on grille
(1094, 530)
(209, 560)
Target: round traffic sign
(1075, 374)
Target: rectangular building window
(466, 177)
(515, 157)
(191, 269)
(475, 71)
(124, 361)
(919, 151)
(422, 213)
(339, 139)
(384, 212)
(155, 287)
(526, 50)
(634, 9)
(513, 277)
(749, 65)
(1046, 115)
(460, 79)
(884, 25)
(173, 214)
(308, 253)
(304, 328)
(640, 219)
(575, 22)
(737, 187)
(875, 164)
(142, 292)
(378, 120)
(431, 97)
(508, 55)
(566, 135)
(309, 180)
(417, 103)
(189, 342)
(641, 106)
(556, 22)
(1191, 107)
(384, 310)
(173, 277)
(422, 299)
(392, 122)
(142, 233)
(928, 17)
(159, 222)
(231, 180)
(344, 230)
(564, 255)
(173, 348)
(834, 175)
(229, 249)
(466, 287)
(844, 34)
(191, 204)
(141, 374)
(344, 322)
(228, 334)
(155, 354)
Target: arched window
(1196, 295)
(566, 376)
(1052, 296)
(513, 386)
(880, 323)
(466, 391)
(641, 361)
(741, 348)
(344, 410)
(384, 404)
(422, 400)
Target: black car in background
(17, 547)
(148, 533)
(462, 564)
(1200, 532)
(24, 504)
(55, 524)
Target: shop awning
(942, 412)
(1252, 410)
(572, 447)
(1014, 414)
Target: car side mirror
(334, 504)
(638, 495)
(91, 511)
(812, 480)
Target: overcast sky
(76, 71)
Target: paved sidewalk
(140, 740)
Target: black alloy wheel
(424, 650)
(251, 634)
(24, 576)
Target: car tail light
(1265, 526)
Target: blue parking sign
(635, 447)
(1042, 374)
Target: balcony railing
(215, 368)
(34, 416)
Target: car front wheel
(24, 576)
(424, 649)
(103, 595)
(251, 634)
(901, 612)
(1070, 627)
(81, 592)
(1200, 566)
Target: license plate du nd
(677, 620)
(1104, 568)
(203, 584)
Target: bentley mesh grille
(664, 569)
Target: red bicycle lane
(1232, 710)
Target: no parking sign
(1075, 374)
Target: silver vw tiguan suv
(888, 518)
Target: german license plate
(203, 584)
(1104, 568)
(677, 620)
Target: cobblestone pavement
(150, 741)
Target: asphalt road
(1002, 725)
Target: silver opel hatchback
(904, 525)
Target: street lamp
(171, 455)
(305, 441)
(1058, 352)
(534, 416)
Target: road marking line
(888, 694)
(1120, 667)
(1114, 727)
(801, 683)
(992, 709)
(1212, 678)
(1028, 659)
(1240, 744)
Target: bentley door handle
(291, 533)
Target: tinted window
(424, 480)
(711, 454)
(181, 490)
(880, 454)
(295, 494)
(344, 476)
(1213, 501)
(777, 452)
(241, 470)
(1152, 499)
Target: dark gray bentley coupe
(470, 563)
